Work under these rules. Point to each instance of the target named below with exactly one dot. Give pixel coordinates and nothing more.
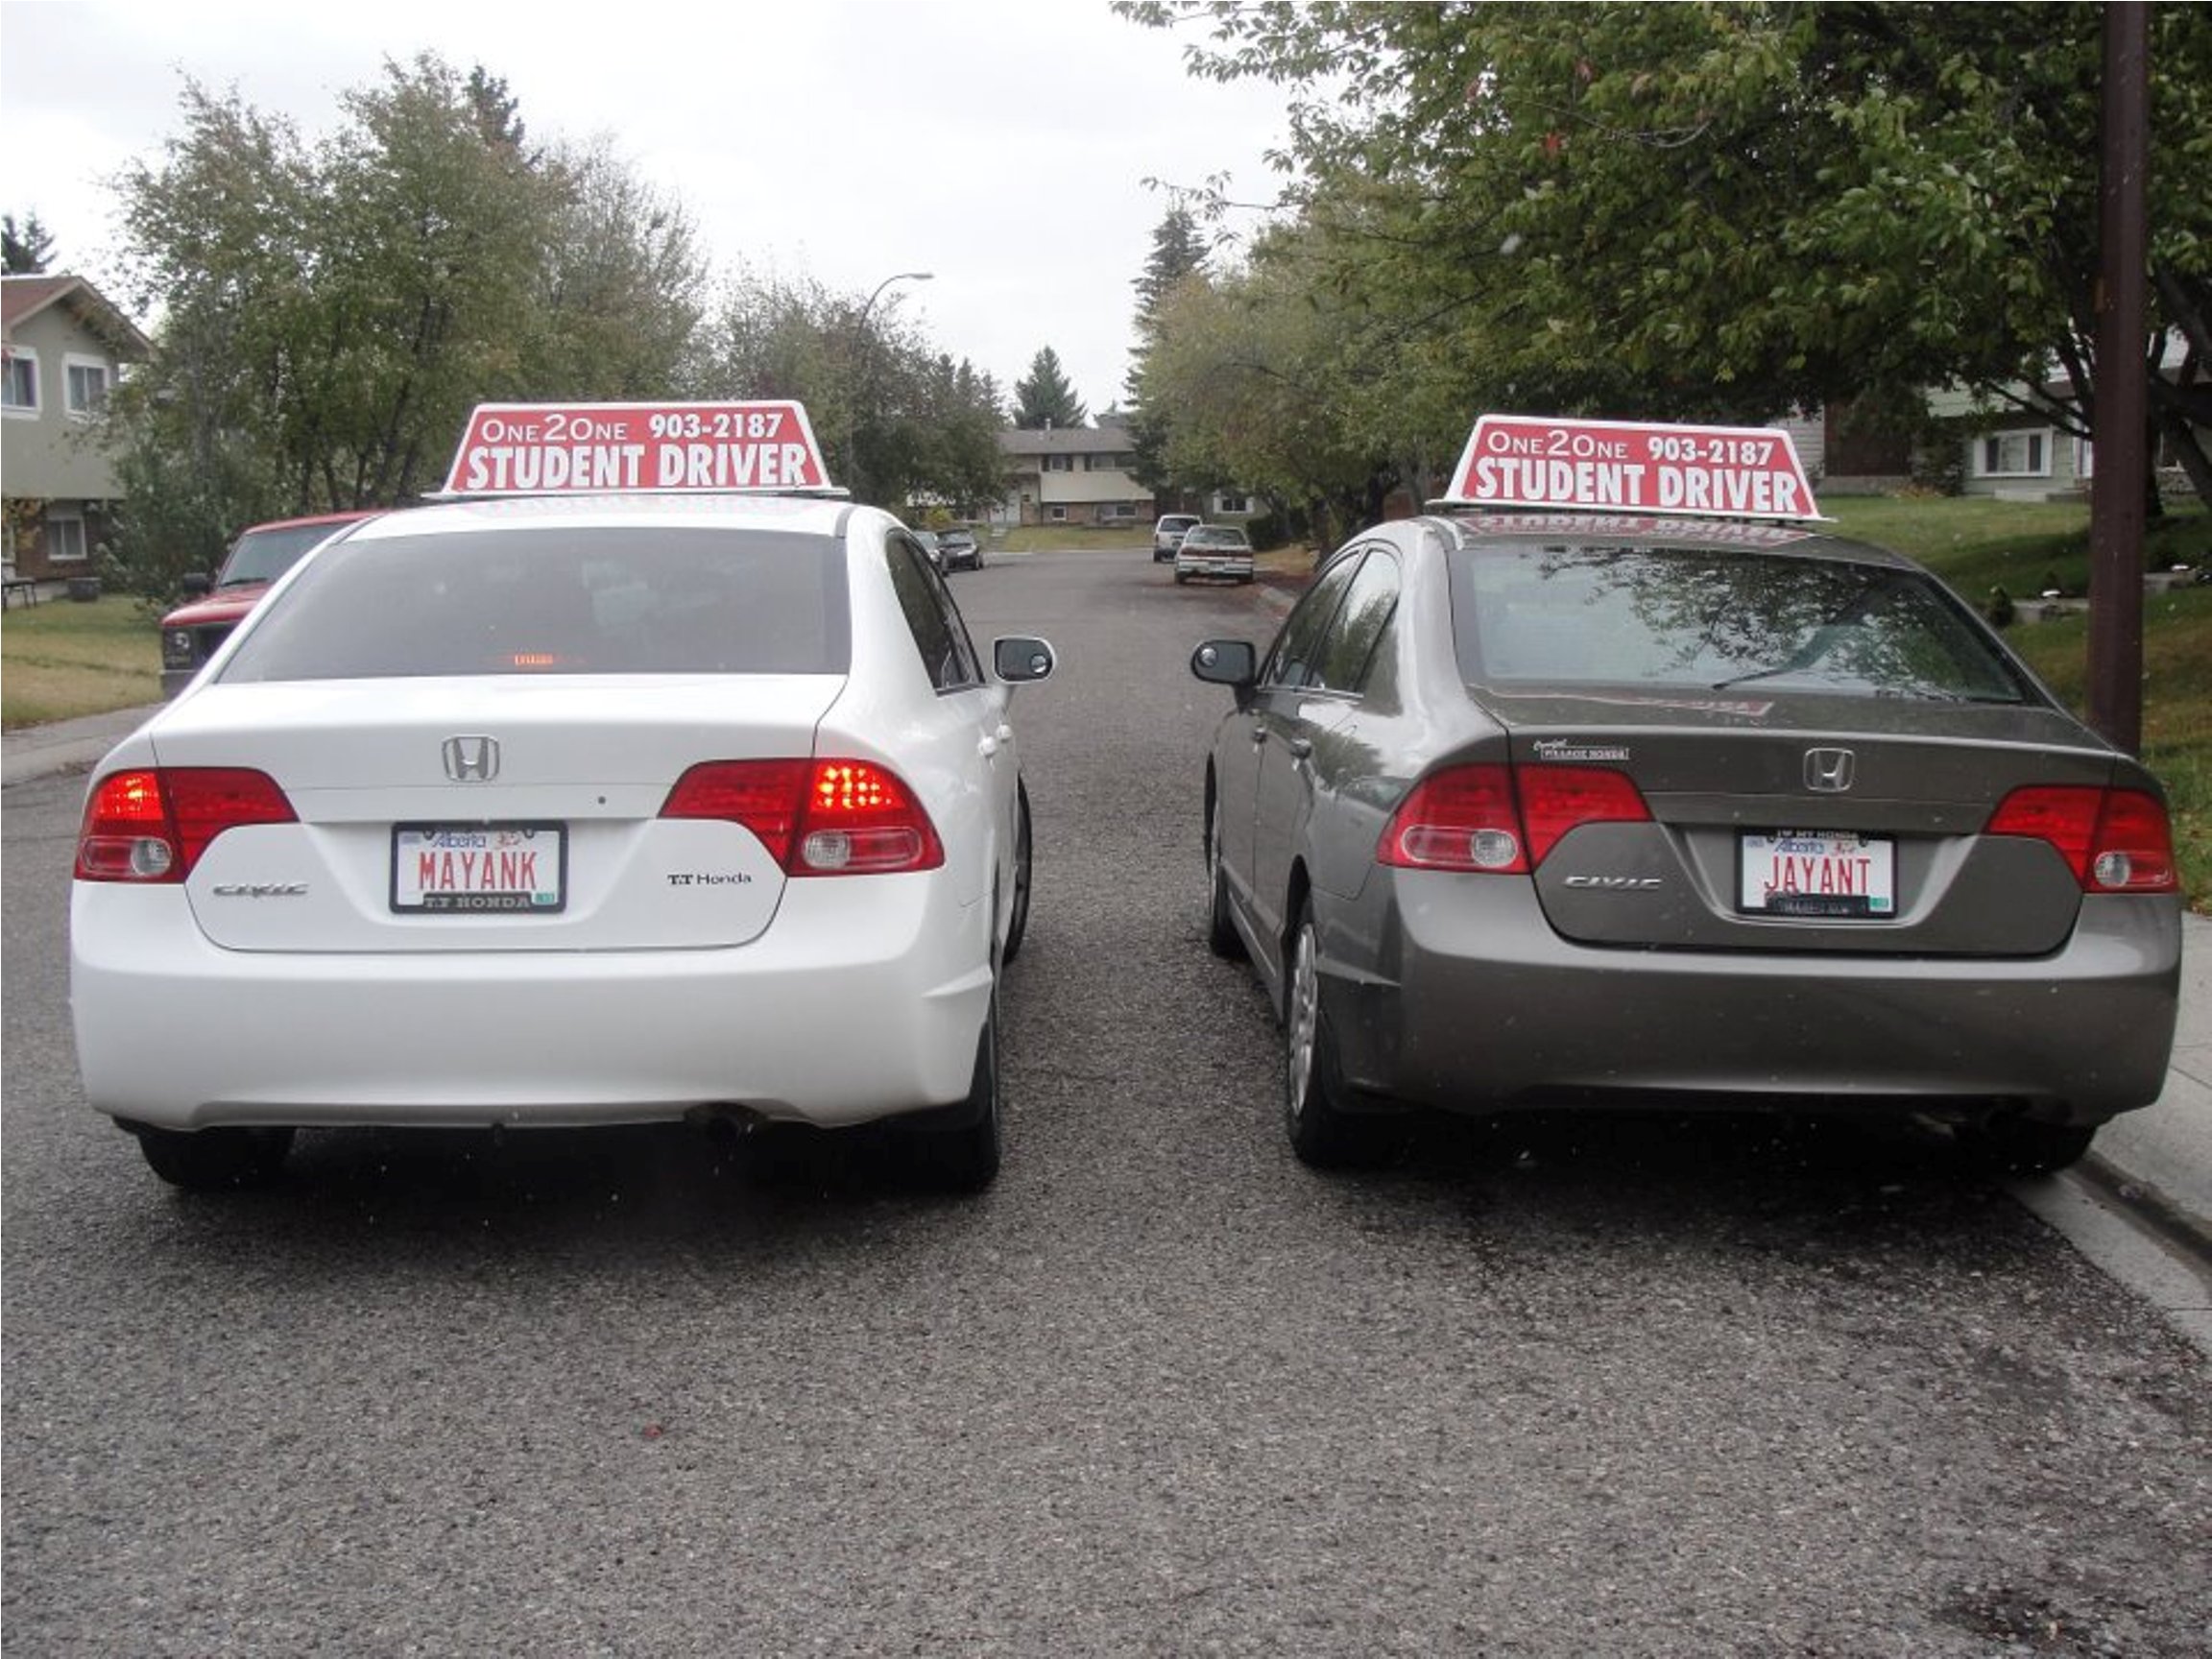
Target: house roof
(23, 298)
(1066, 441)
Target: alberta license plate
(473, 869)
(1817, 873)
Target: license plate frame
(1817, 876)
(446, 881)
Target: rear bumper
(1229, 569)
(863, 1001)
(1474, 1003)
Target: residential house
(1073, 475)
(1845, 457)
(2019, 453)
(1080, 475)
(63, 345)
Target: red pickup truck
(264, 552)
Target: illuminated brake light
(153, 825)
(2113, 840)
(1497, 820)
(835, 817)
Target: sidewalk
(2163, 1152)
(63, 745)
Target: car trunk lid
(439, 816)
(1795, 822)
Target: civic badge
(471, 759)
(1829, 771)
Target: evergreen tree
(1177, 250)
(1043, 397)
(25, 251)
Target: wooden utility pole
(2120, 420)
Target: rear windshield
(1709, 619)
(544, 600)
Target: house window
(88, 381)
(64, 539)
(1056, 515)
(1059, 462)
(2013, 455)
(2084, 459)
(1231, 504)
(21, 395)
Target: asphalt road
(1622, 1387)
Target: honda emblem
(1829, 771)
(471, 759)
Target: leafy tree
(1265, 376)
(329, 315)
(1728, 210)
(901, 423)
(1043, 397)
(617, 311)
(25, 251)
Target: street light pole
(861, 379)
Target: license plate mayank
(1817, 873)
(479, 869)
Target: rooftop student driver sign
(1615, 465)
(552, 449)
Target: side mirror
(1230, 662)
(1019, 659)
(198, 584)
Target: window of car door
(948, 654)
(1356, 638)
(1289, 665)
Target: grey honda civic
(1552, 807)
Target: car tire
(966, 1158)
(1017, 917)
(2026, 1146)
(1221, 935)
(215, 1160)
(1323, 1133)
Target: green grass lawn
(64, 658)
(1046, 538)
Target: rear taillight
(153, 825)
(1557, 799)
(815, 817)
(2113, 840)
(1502, 821)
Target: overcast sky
(1002, 145)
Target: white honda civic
(571, 809)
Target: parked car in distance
(928, 540)
(192, 631)
(1218, 550)
(1168, 533)
(958, 549)
(1606, 808)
